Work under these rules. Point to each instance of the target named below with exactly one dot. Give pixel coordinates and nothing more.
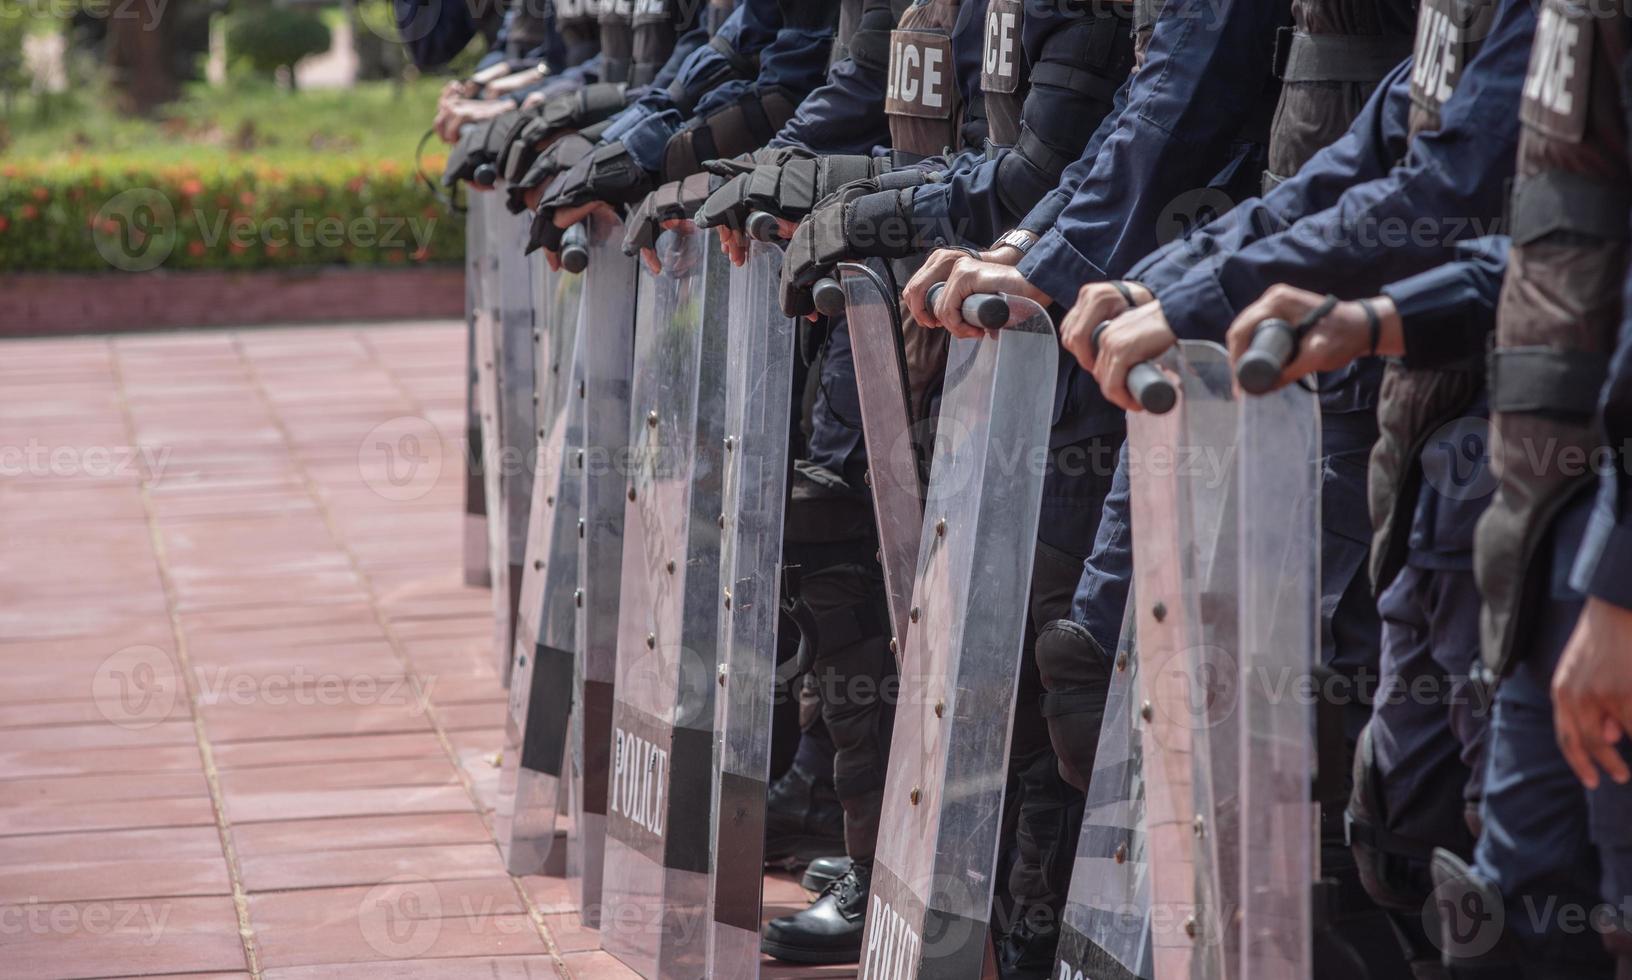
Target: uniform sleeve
(846, 113)
(1450, 187)
(1450, 310)
(1603, 569)
(434, 33)
(1204, 74)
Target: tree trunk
(139, 52)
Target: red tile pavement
(250, 710)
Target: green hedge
(103, 215)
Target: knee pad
(1076, 676)
(1393, 869)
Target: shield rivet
(580, 457)
(940, 528)
(721, 522)
(631, 493)
(490, 365)
(651, 418)
(541, 433)
(916, 795)
(878, 556)
(1159, 611)
(1190, 927)
(894, 647)
(537, 564)
(535, 398)
(578, 598)
(1199, 826)
(580, 529)
(730, 443)
(651, 641)
(720, 675)
(538, 335)
(1145, 711)
(550, 500)
(1121, 661)
(668, 566)
(1121, 853)
(940, 709)
(580, 389)
(867, 477)
(913, 615)
(728, 598)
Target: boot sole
(812, 957)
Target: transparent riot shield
(887, 425)
(932, 881)
(510, 436)
(475, 529)
(1105, 928)
(759, 380)
(657, 847)
(605, 344)
(1279, 476)
(1185, 575)
(541, 687)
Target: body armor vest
(921, 94)
(617, 40)
(528, 30)
(1414, 402)
(578, 22)
(1329, 61)
(1560, 306)
(1003, 70)
(656, 25)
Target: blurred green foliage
(271, 37)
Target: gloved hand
(607, 175)
(744, 163)
(471, 151)
(568, 111)
(558, 158)
(675, 201)
(790, 190)
(857, 222)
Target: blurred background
(212, 136)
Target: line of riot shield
(475, 528)
(606, 336)
(894, 444)
(540, 694)
(758, 406)
(1278, 470)
(1187, 601)
(935, 865)
(654, 914)
(1105, 927)
(510, 437)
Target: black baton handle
(828, 296)
(989, 310)
(1149, 386)
(486, 175)
(575, 249)
(761, 226)
(1273, 343)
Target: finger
(1303, 364)
(554, 260)
(649, 256)
(1594, 725)
(1239, 337)
(1113, 383)
(1568, 734)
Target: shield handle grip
(761, 227)
(1273, 343)
(486, 175)
(1152, 389)
(989, 310)
(575, 249)
(828, 297)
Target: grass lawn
(376, 122)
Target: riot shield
(759, 380)
(510, 436)
(933, 873)
(895, 471)
(1185, 575)
(542, 660)
(1105, 928)
(605, 342)
(1279, 476)
(657, 847)
(475, 529)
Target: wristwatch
(1018, 239)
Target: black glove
(557, 159)
(744, 163)
(857, 222)
(467, 154)
(790, 190)
(607, 174)
(676, 200)
(574, 110)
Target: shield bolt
(550, 500)
(1145, 711)
(1190, 927)
(728, 598)
(1159, 611)
(580, 457)
(867, 477)
(1121, 661)
(651, 641)
(916, 795)
(578, 598)
(537, 564)
(720, 675)
(940, 709)
(535, 398)
(537, 336)
(721, 522)
(631, 493)
(668, 566)
(580, 389)
(580, 528)
(541, 433)
(913, 615)
(651, 418)
(894, 646)
(940, 528)
(1121, 853)
(1199, 825)
(730, 443)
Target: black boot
(823, 871)
(830, 930)
(803, 820)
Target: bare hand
(966, 277)
(1138, 335)
(1096, 303)
(1340, 338)
(1592, 693)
